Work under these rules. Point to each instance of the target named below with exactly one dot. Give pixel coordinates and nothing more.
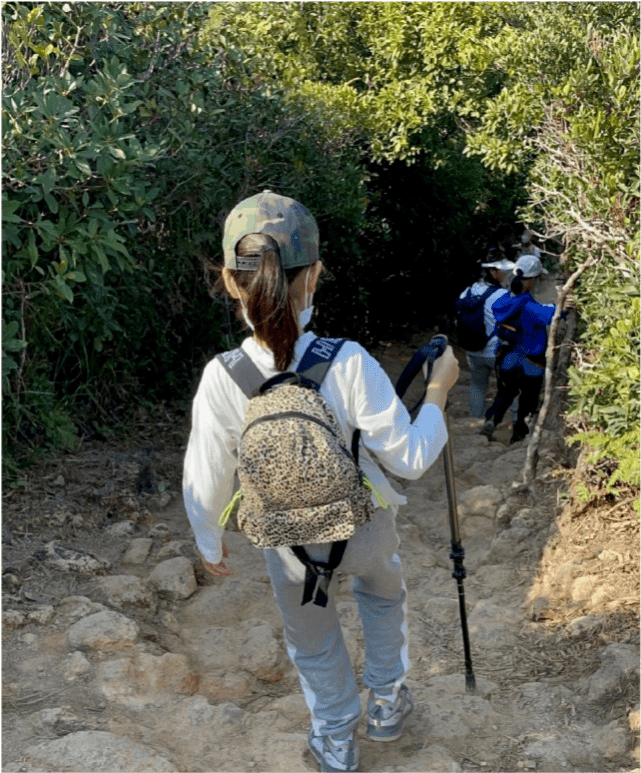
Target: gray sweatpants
(314, 638)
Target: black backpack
(470, 321)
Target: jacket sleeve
(210, 460)
(541, 313)
(403, 447)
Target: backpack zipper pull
(367, 483)
(227, 512)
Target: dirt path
(117, 657)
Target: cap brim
(506, 265)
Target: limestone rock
(40, 615)
(261, 653)
(74, 608)
(122, 529)
(106, 631)
(168, 619)
(13, 618)
(480, 501)
(588, 624)
(554, 751)
(434, 757)
(72, 560)
(508, 544)
(97, 751)
(611, 740)
(619, 663)
(215, 605)
(492, 625)
(60, 721)
(174, 578)
(174, 548)
(583, 588)
(444, 611)
(126, 590)
(75, 665)
(213, 648)
(139, 679)
(224, 686)
(138, 551)
(160, 531)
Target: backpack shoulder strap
(318, 357)
(242, 370)
(490, 290)
(314, 366)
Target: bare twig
(529, 468)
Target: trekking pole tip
(470, 682)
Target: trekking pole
(457, 555)
(429, 354)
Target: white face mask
(248, 321)
(305, 316)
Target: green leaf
(47, 180)
(51, 203)
(63, 289)
(76, 276)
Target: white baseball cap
(530, 266)
(502, 265)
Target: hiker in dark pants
(521, 363)
(482, 362)
(270, 247)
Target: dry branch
(531, 459)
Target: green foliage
(585, 189)
(379, 78)
(411, 130)
(126, 139)
(605, 388)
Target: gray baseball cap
(287, 221)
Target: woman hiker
(521, 361)
(270, 247)
(482, 362)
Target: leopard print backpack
(299, 481)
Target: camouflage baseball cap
(284, 219)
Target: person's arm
(209, 467)
(403, 447)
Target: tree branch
(531, 459)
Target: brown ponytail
(516, 285)
(269, 304)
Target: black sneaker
(519, 432)
(488, 429)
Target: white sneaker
(334, 756)
(386, 718)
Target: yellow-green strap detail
(370, 486)
(227, 512)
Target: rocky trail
(120, 655)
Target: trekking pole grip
(426, 354)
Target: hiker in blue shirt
(522, 323)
